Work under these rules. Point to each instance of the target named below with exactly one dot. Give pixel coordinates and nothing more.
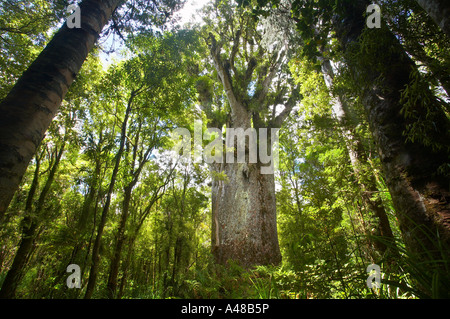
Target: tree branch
(263, 87)
(235, 49)
(292, 101)
(223, 73)
(218, 63)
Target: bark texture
(420, 194)
(32, 103)
(244, 217)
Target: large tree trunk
(420, 195)
(244, 227)
(30, 106)
(439, 11)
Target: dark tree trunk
(80, 236)
(15, 273)
(30, 106)
(126, 265)
(30, 225)
(383, 239)
(439, 11)
(115, 262)
(135, 172)
(420, 194)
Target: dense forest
(289, 149)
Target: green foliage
(326, 232)
(423, 127)
(25, 27)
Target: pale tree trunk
(244, 225)
(439, 11)
(419, 193)
(30, 106)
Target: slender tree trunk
(176, 260)
(126, 265)
(86, 211)
(97, 243)
(30, 106)
(420, 194)
(80, 236)
(26, 232)
(439, 11)
(132, 241)
(135, 172)
(30, 225)
(115, 262)
(14, 275)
